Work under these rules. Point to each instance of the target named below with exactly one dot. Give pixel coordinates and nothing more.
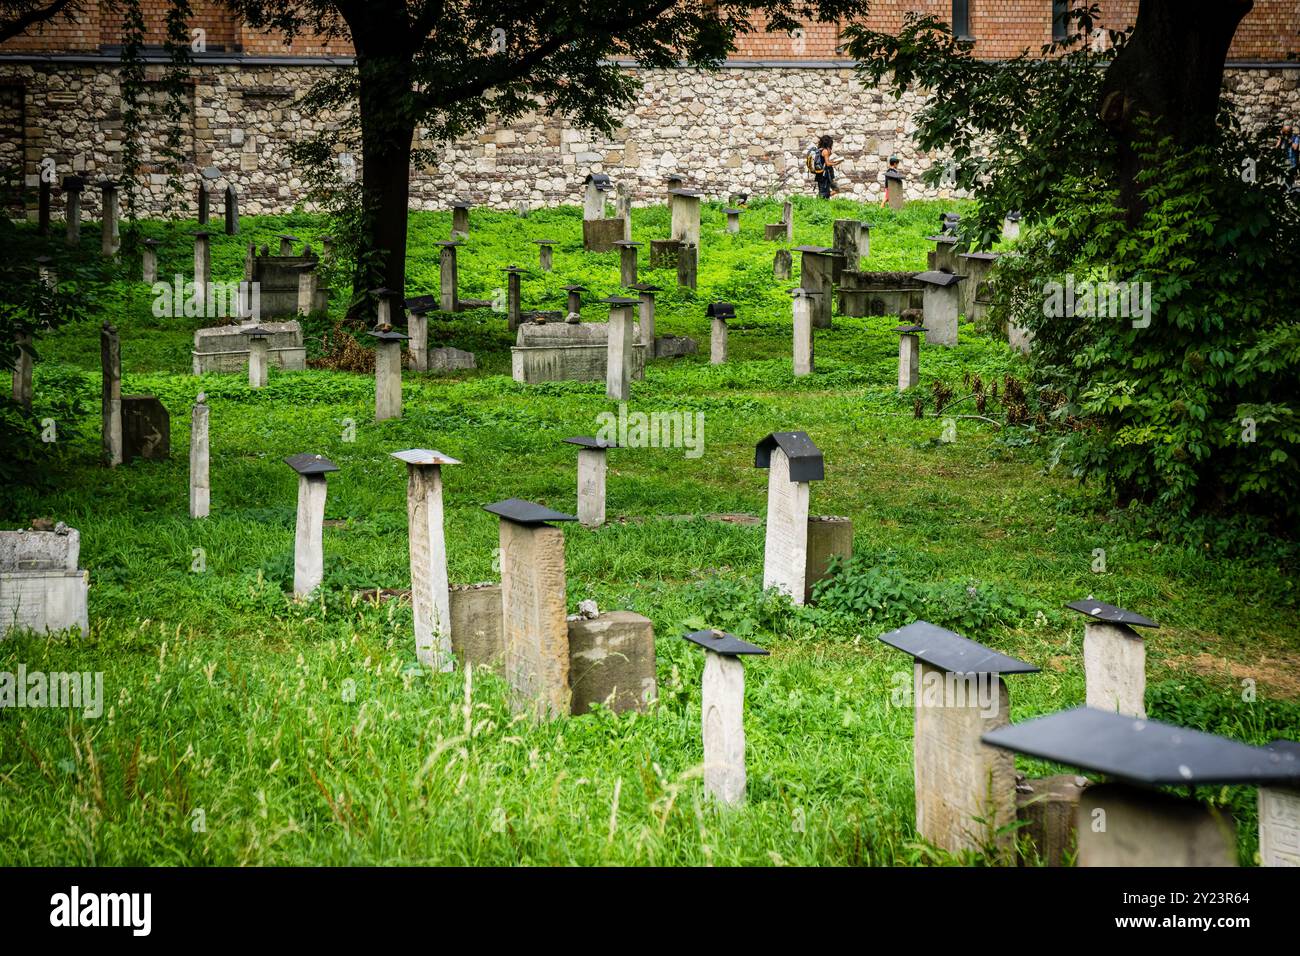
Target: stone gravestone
(623, 209)
(417, 330)
(591, 479)
(816, 276)
(44, 194)
(200, 458)
(909, 355)
(202, 270)
(23, 367)
(448, 359)
(430, 597)
(719, 313)
(232, 210)
(568, 352)
(733, 220)
(940, 303)
(620, 343)
(476, 636)
(612, 662)
(388, 372)
(943, 258)
(685, 207)
(688, 263)
(852, 239)
(781, 264)
(533, 603)
(41, 588)
(804, 307)
(72, 187)
(894, 189)
(448, 276)
(149, 261)
(109, 238)
(1114, 657)
(965, 790)
(627, 256)
(309, 545)
(977, 266)
(1279, 817)
(460, 219)
(258, 355)
(599, 235)
(545, 254)
(514, 307)
(646, 315)
(793, 461)
(595, 186)
(664, 253)
(1011, 227)
(307, 287)
(110, 351)
(723, 713)
(146, 428)
(1125, 821)
(829, 537)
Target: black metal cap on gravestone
(575, 288)
(721, 310)
(1013, 216)
(424, 456)
(108, 184)
(1110, 614)
(383, 292)
(449, 242)
(733, 212)
(73, 184)
(515, 270)
(151, 242)
(740, 198)
(461, 204)
(720, 642)
(291, 238)
(949, 651)
(1144, 751)
(546, 242)
(935, 277)
(644, 287)
(1284, 747)
(805, 458)
(586, 441)
(618, 301)
(255, 332)
(799, 290)
(815, 250)
(422, 303)
(911, 329)
(46, 260)
(308, 464)
(526, 512)
(627, 242)
(599, 180)
(981, 256)
(387, 334)
(202, 234)
(689, 193)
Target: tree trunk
(1170, 74)
(387, 133)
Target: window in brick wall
(961, 19)
(1060, 19)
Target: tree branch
(11, 28)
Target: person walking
(822, 166)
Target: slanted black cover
(627, 242)
(515, 270)
(935, 277)
(601, 181)
(941, 238)
(211, 172)
(689, 193)
(450, 242)
(805, 458)
(982, 256)
(152, 242)
(423, 303)
(733, 212)
(575, 288)
(720, 642)
(387, 335)
(619, 301)
(546, 242)
(642, 287)
(815, 250)
(1144, 751)
(721, 310)
(951, 652)
(309, 464)
(73, 184)
(911, 328)
(526, 512)
(285, 235)
(461, 204)
(1110, 613)
(1013, 216)
(586, 441)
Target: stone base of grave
(561, 352)
(41, 588)
(878, 293)
(224, 348)
(599, 235)
(1120, 825)
(146, 429)
(774, 231)
(476, 636)
(828, 537)
(1045, 808)
(278, 276)
(664, 253)
(612, 662)
(675, 346)
(448, 359)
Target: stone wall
(742, 129)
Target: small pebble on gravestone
(588, 609)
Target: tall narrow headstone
(149, 261)
(804, 306)
(388, 372)
(72, 187)
(793, 461)
(307, 287)
(646, 314)
(965, 790)
(592, 467)
(618, 360)
(309, 545)
(460, 219)
(110, 360)
(852, 239)
(417, 328)
(940, 300)
(545, 254)
(623, 209)
(202, 270)
(627, 255)
(787, 217)
(110, 241)
(722, 713)
(593, 196)
(232, 210)
(977, 267)
(203, 200)
(817, 276)
(894, 189)
(46, 190)
(286, 243)
(688, 263)
(200, 481)
(1114, 657)
(733, 220)
(1011, 227)
(686, 216)
(430, 601)
(1279, 816)
(719, 313)
(22, 384)
(258, 355)
(533, 605)
(448, 278)
(574, 303)
(781, 264)
(514, 306)
(909, 355)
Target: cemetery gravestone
(545, 254)
(816, 277)
(733, 220)
(41, 588)
(646, 314)
(719, 313)
(1279, 816)
(448, 277)
(109, 239)
(110, 351)
(309, 545)
(781, 264)
(591, 479)
(612, 662)
(940, 304)
(909, 355)
(804, 308)
(146, 428)
(793, 461)
(894, 189)
(388, 372)
(149, 261)
(621, 340)
(460, 219)
(430, 596)
(685, 206)
(72, 187)
(258, 357)
(723, 713)
(200, 458)
(232, 210)
(627, 255)
(1114, 658)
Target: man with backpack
(819, 163)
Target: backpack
(815, 161)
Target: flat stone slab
(25, 550)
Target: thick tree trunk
(1170, 74)
(387, 133)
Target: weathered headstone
(909, 355)
(533, 604)
(965, 790)
(688, 263)
(202, 269)
(646, 314)
(723, 713)
(309, 545)
(977, 266)
(200, 459)
(782, 262)
(448, 277)
(793, 461)
(733, 220)
(591, 479)
(110, 361)
(109, 238)
(45, 191)
(595, 186)
(388, 372)
(1279, 816)
(719, 313)
(545, 254)
(72, 187)
(852, 239)
(943, 258)
(448, 359)
(829, 537)
(894, 189)
(430, 598)
(939, 304)
(787, 219)
(417, 330)
(41, 588)
(685, 206)
(514, 308)
(618, 364)
(258, 355)
(627, 255)
(1011, 227)
(817, 276)
(22, 379)
(146, 428)
(612, 662)
(306, 287)
(804, 306)
(149, 261)
(574, 303)
(232, 210)
(460, 219)
(623, 209)
(476, 633)
(1114, 657)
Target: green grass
(226, 697)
